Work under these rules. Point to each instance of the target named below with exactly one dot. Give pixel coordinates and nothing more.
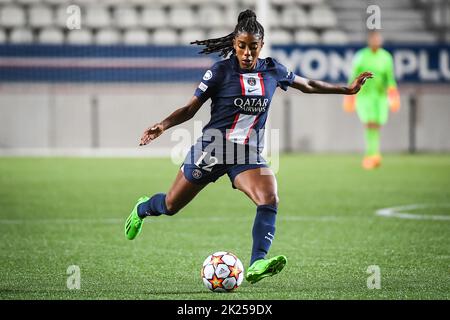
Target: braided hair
(224, 45)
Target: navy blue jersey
(241, 99)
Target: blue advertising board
(412, 64)
(67, 63)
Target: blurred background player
(376, 97)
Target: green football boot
(133, 225)
(265, 268)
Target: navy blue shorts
(203, 165)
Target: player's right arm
(175, 118)
(208, 85)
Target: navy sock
(155, 206)
(263, 231)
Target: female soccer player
(375, 99)
(240, 88)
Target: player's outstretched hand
(151, 133)
(359, 82)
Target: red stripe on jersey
(236, 118)
(261, 80)
(241, 77)
(251, 127)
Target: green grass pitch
(57, 212)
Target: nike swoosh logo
(250, 90)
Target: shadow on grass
(176, 292)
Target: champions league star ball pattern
(222, 271)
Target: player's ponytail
(224, 45)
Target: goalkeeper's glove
(349, 103)
(394, 99)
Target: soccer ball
(222, 272)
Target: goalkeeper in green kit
(376, 97)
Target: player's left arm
(349, 101)
(392, 90)
(315, 86)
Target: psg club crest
(251, 81)
(196, 173)
(252, 84)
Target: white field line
(398, 212)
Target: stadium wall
(97, 101)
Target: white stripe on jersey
(241, 128)
(252, 84)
